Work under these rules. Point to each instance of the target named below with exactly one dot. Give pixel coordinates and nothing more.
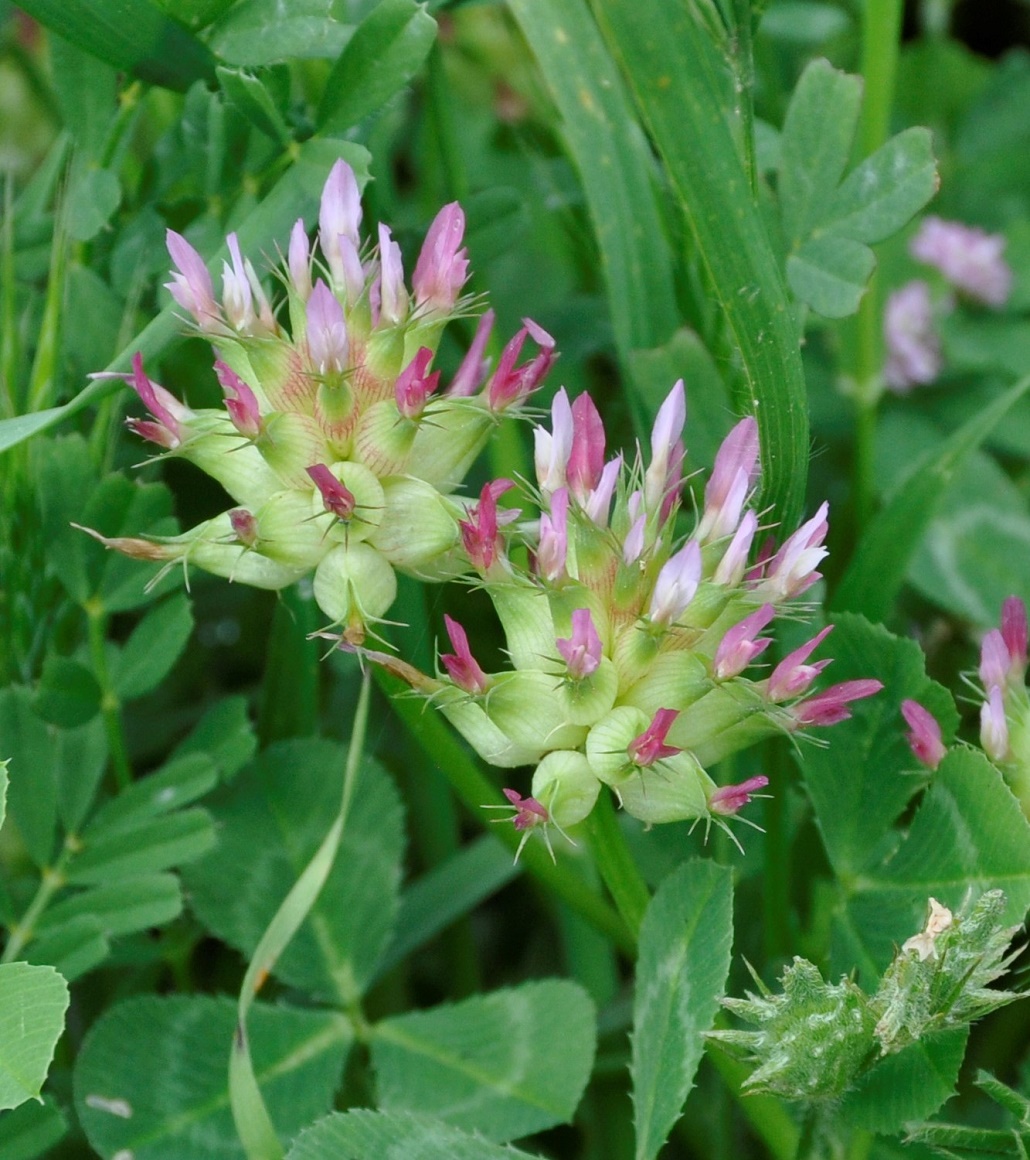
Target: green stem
(881, 31)
(476, 791)
(110, 705)
(52, 881)
(615, 862)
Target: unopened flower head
(343, 414)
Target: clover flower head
(339, 423)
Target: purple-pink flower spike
(586, 459)
(741, 643)
(1014, 634)
(910, 335)
(191, 285)
(326, 331)
(442, 266)
(337, 499)
(461, 665)
(511, 384)
(582, 650)
(924, 735)
(831, 706)
(676, 584)
(731, 799)
(994, 727)
(650, 746)
(414, 385)
(793, 676)
(969, 258)
(732, 478)
(167, 431)
(240, 401)
(554, 539)
(480, 531)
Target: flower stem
(52, 881)
(615, 862)
(881, 29)
(110, 704)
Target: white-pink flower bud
(298, 260)
(994, 727)
(733, 476)
(191, 284)
(676, 584)
(393, 295)
(326, 331)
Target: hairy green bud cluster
(816, 1039)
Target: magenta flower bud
(393, 296)
(994, 660)
(240, 401)
(191, 283)
(237, 299)
(473, 367)
(1014, 633)
(733, 564)
(338, 499)
(528, 811)
(994, 728)
(581, 651)
(650, 746)
(793, 569)
(586, 458)
(554, 541)
(676, 584)
(666, 448)
(733, 476)
(442, 266)
(830, 707)
(529, 815)
(511, 384)
(910, 336)
(924, 735)
(792, 676)
(740, 645)
(551, 449)
(298, 260)
(326, 331)
(461, 665)
(731, 799)
(414, 386)
(480, 534)
(970, 258)
(244, 527)
(599, 500)
(166, 431)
